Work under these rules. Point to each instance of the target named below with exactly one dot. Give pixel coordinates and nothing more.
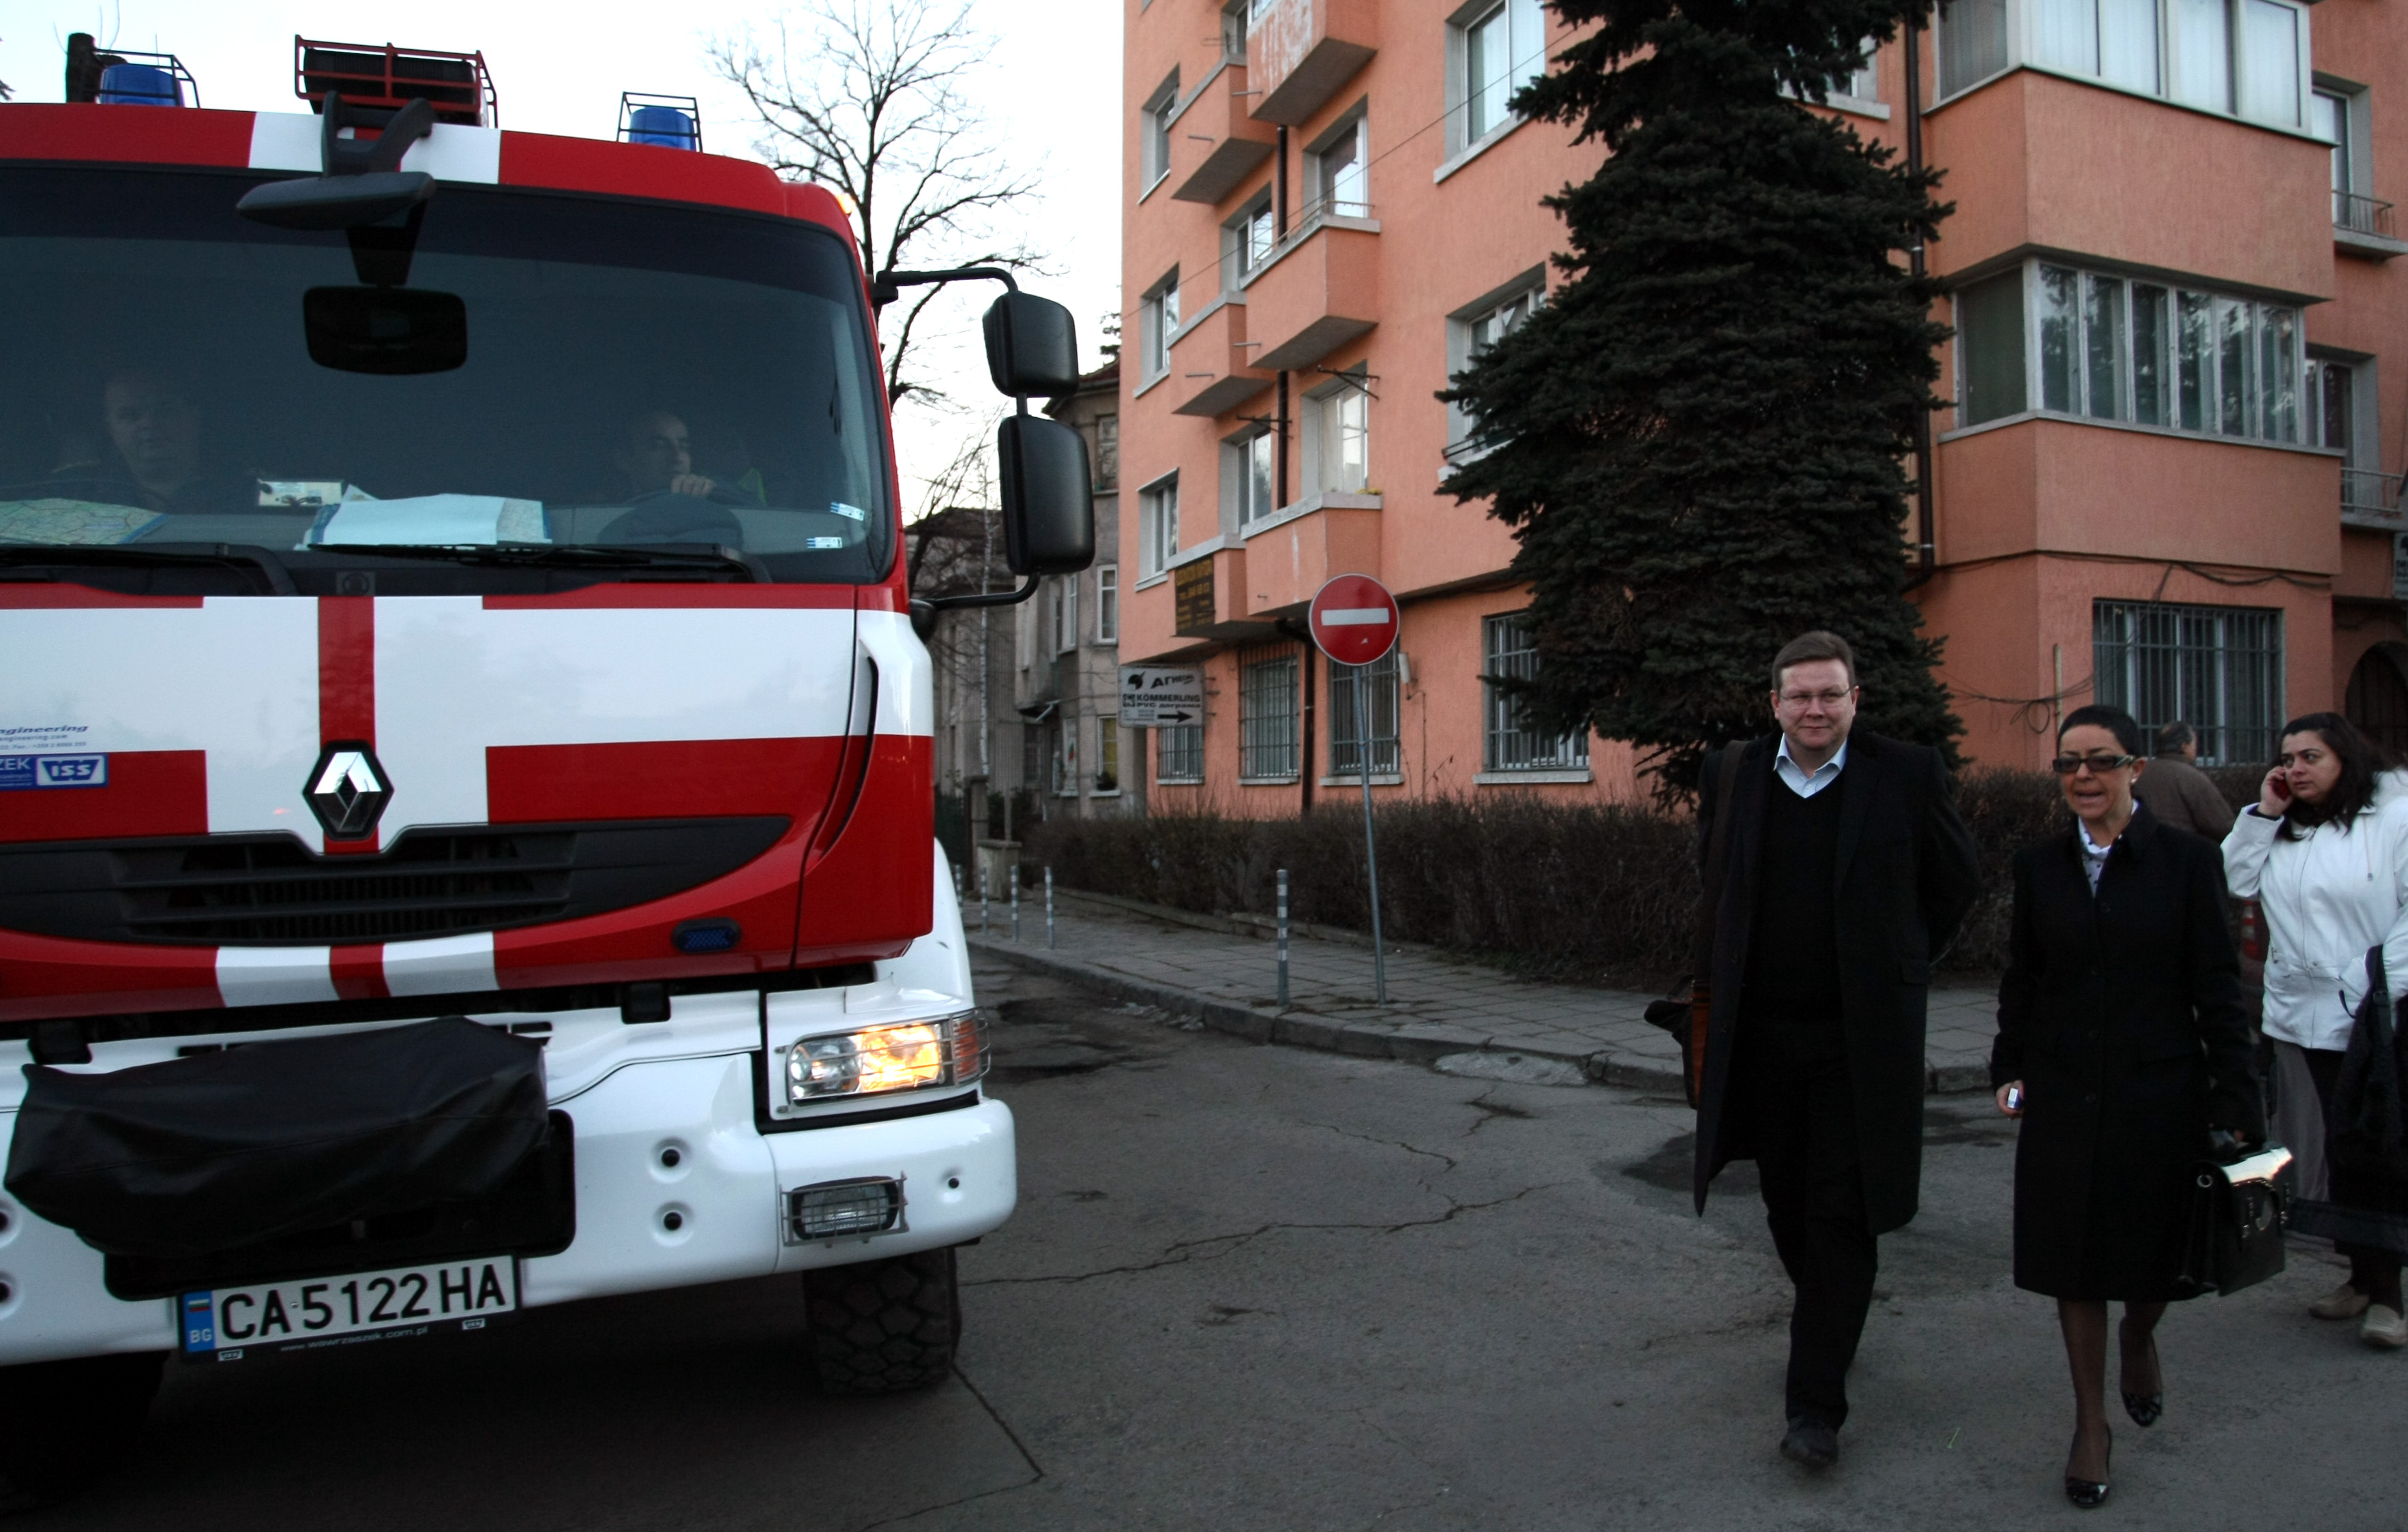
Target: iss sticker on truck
(19, 772)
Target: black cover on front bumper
(252, 1144)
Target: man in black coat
(1845, 867)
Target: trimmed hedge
(1602, 893)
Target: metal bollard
(983, 901)
(1283, 939)
(1049, 907)
(1015, 901)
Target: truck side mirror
(1032, 346)
(1049, 502)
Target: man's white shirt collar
(1799, 779)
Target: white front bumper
(727, 1190)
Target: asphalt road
(1253, 1287)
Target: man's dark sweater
(1793, 959)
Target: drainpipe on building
(1926, 554)
(1279, 445)
(1279, 211)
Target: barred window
(1267, 744)
(1182, 749)
(1509, 653)
(2217, 668)
(1345, 728)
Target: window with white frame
(1267, 728)
(1179, 753)
(1233, 31)
(1153, 150)
(1246, 242)
(1380, 679)
(1158, 525)
(1472, 331)
(1107, 604)
(2074, 342)
(2247, 58)
(1863, 82)
(1494, 48)
(1157, 322)
(2337, 114)
(1247, 463)
(1340, 172)
(1108, 451)
(2217, 668)
(1510, 654)
(1338, 423)
(1064, 611)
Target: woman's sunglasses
(2066, 765)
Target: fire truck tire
(63, 1423)
(883, 1326)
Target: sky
(1051, 86)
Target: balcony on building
(1301, 53)
(2366, 227)
(1217, 141)
(1213, 369)
(2044, 159)
(1207, 594)
(1319, 290)
(1293, 552)
(2369, 498)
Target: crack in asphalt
(1213, 1247)
(1035, 1470)
(1386, 1143)
(1490, 1111)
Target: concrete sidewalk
(1225, 972)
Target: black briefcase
(2235, 1236)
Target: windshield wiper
(696, 557)
(156, 555)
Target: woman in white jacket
(2324, 851)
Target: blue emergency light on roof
(139, 85)
(671, 122)
(126, 76)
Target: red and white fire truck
(465, 811)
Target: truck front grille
(271, 890)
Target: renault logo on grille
(348, 790)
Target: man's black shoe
(1811, 1444)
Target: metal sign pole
(1049, 905)
(1370, 847)
(1283, 939)
(1015, 901)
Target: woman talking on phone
(2324, 851)
(2123, 1041)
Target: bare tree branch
(865, 97)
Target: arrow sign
(1154, 695)
(1354, 620)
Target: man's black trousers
(1793, 1084)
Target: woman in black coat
(2122, 1042)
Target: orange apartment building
(2180, 382)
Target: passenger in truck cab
(154, 458)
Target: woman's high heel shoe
(2145, 1408)
(2090, 1494)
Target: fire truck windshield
(637, 376)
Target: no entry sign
(1354, 620)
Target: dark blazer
(2123, 1016)
(1907, 875)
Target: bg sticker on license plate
(232, 1324)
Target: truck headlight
(903, 1056)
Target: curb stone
(1413, 1042)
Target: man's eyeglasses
(2066, 765)
(1828, 699)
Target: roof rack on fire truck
(127, 76)
(384, 78)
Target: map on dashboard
(61, 522)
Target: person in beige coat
(2178, 791)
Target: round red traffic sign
(1354, 620)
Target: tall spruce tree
(1701, 441)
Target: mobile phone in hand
(2281, 786)
(2014, 1098)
